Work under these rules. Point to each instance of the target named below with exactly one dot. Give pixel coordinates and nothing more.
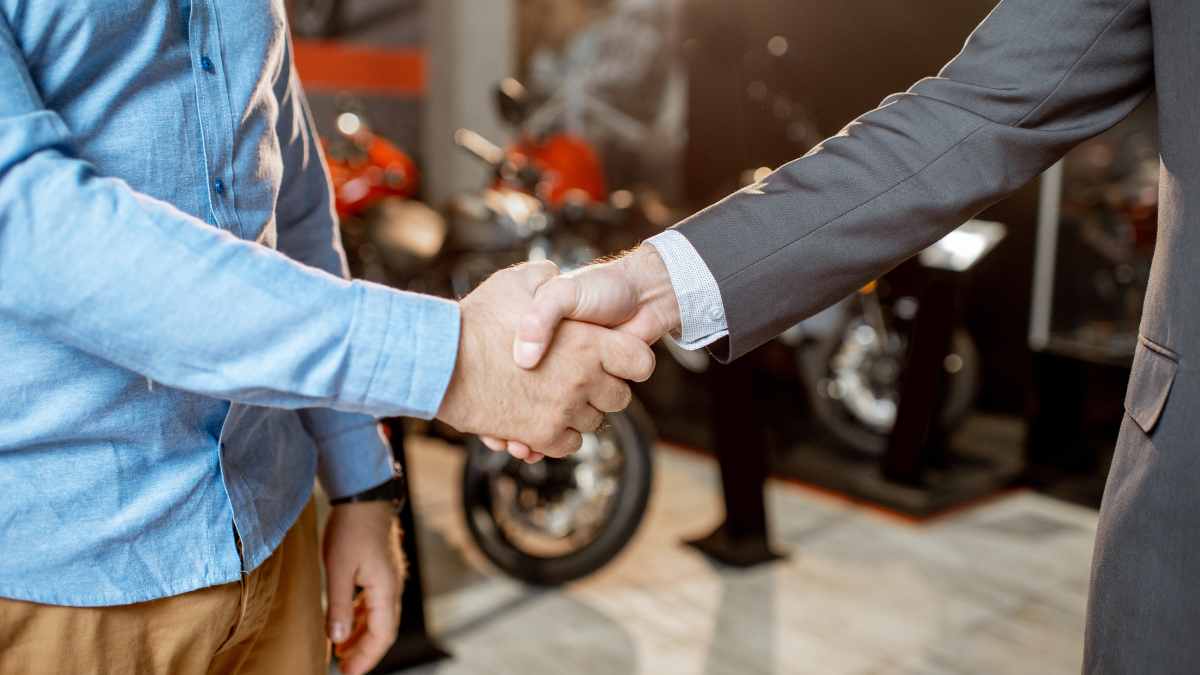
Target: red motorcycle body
(571, 168)
(375, 171)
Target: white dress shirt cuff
(701, 310)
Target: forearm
(124, 277)
(88, 261)
(1033, 80)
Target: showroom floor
(998, 588)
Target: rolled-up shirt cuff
(701, 310)
(352, 454)
(410, 342)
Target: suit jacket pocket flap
(1149, 384)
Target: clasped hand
(575, 339)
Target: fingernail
(339, 632)
(526, 353)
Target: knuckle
(542, 270)
(589, 348)
(579, 385)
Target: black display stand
(414, 645)
(741, 446)
(916, 442)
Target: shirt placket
(215, 115)
(214, 111)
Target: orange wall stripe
(335, 66)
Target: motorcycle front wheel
(561, 519)
(849, 399)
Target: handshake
(527, 384)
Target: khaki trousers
(269, 622)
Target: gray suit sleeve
(1034, 79)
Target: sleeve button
(207, 64)
(219, 186)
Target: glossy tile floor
(998, 588)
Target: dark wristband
(395, 490)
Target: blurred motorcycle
(850, 358)
(558, 520)
(383, 228)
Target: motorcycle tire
(962, 390)
(624, 514)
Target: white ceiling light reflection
(777, 45)
(962, 248)
(349, 124)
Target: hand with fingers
(632, 294)
(547, 408)
(361, 549)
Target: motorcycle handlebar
(483, 149)
(527, 175)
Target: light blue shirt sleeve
(90, 262)
(701, 310)
(352, 455)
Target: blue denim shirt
(166, 374)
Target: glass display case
(1096, 234)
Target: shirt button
(715, 314)
(207, 64)
(219, 186)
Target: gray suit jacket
(1034, 79)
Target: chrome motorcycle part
(559, 520)
(853, 377)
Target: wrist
(388, 496)
(379, 509)
(645, 267)
(448, 410)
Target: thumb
(553, 301)
(645, 327)
(339, 617)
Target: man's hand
(632, 294)
(362, 548)
(547, 408)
